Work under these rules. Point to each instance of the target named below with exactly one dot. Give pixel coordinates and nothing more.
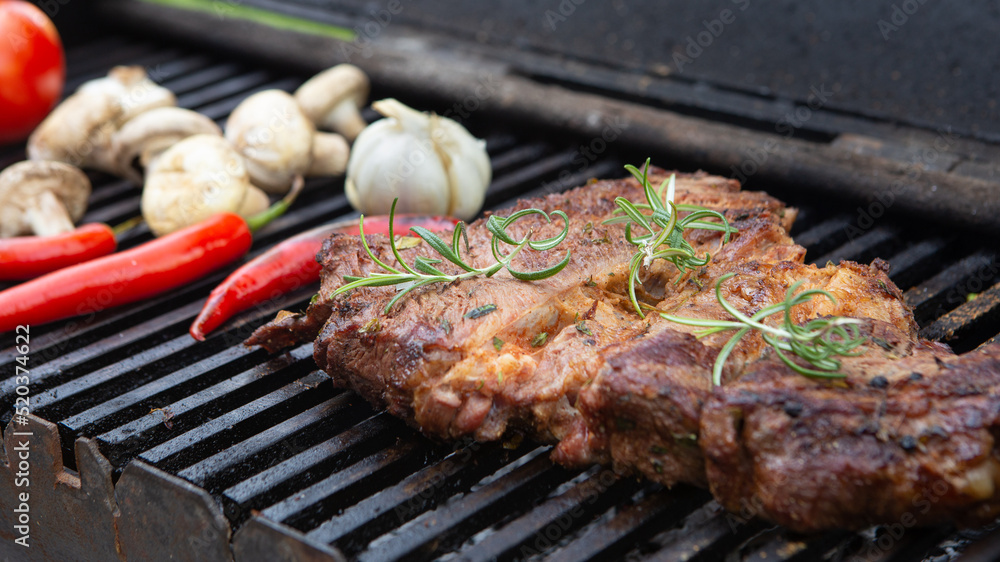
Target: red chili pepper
(288, 266)
(26, 257)
(146, 270)
(149, 269)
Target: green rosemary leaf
(818, 342)
(540, 339)
(480, 311)
(424, 271)
(543, 274)
(665, 238)
(440, 247)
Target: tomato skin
(32, 68)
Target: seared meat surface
(470, 359)
(908, 436)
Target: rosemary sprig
(423, 271)
(668, 243)
(819, 342)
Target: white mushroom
(279, 142)
(79, 130)
(194, 179)
(431, 163)
(144, 137)
(332, 98)
(41, 198)
(133, 91)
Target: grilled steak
(470, 359)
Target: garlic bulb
(431, 163)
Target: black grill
(212, 446)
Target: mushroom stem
(330, 152)
(331, 99)
(346, 120)
(49, 216)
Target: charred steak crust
(605, 386)
(905, 438)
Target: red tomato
(32, 68)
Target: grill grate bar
(778, 544)
(947, 289)
(986, 550)
(200, 77)
(824, 236)
(373, 470)
(966, 318)
(706, 534)
(613, 537)
(185, 443)
(53, 400)
(415, 494)
(150, 62)
(505, 187)
(303, 467)
(994, 339)
(602, 168)
(122, 340)
(88, 419)
(167, 72)
(884, 544)
(554, 519)
(81, 335)
(136, 430)
(234, 88)
(918, 261)
(205, 471)
(217, 104)
(445, 527)
(80, 57)
(508, 161)
(100, 63)
(108, 193)
(864, 248)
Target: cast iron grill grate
(267, 436)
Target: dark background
(938, 68)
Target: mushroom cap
(79, 130)
(194, 179)
(148, 134)
(323, 95)
(134, 92)
(21, 184)
(274, 136)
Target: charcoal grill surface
(294, 466)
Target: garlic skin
(431, 163)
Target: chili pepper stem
(127, 225)
(261, 220)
